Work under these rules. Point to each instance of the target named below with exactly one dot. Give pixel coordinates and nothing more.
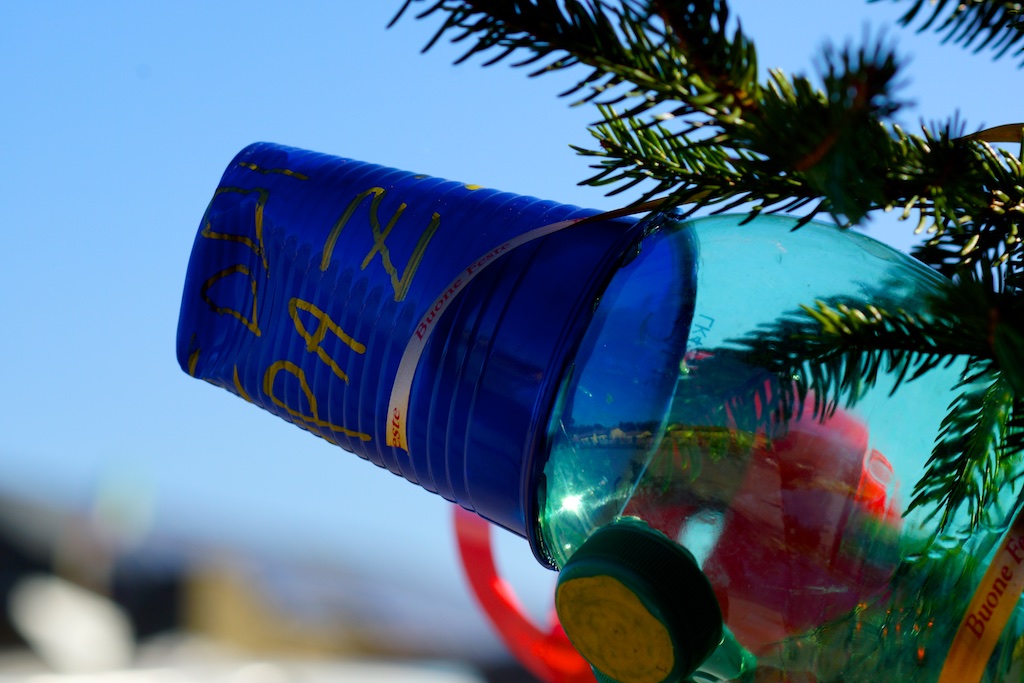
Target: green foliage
(837, 353)
(996, 25)
(685, 117)
(977, 452)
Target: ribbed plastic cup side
(311, 274)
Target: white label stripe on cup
(398, 406)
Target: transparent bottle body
(800, 524)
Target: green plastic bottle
(700, 534)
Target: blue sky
(120, 118)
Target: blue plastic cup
(423, 324)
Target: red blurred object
(823, 493)
(547, 654)
(808, 530)
(805, 532)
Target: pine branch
(700, 172)
(838, 353)
(978, 451)
(974, 212)
(673, 72)
(992, 24)
(796, 146)
(629, 58)
(833, 140)
(684, 117)
(673, 69)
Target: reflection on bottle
(803, 521)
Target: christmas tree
(686, 116)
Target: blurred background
(155, 528)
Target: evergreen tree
(685, 116)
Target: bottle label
(989, 610)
